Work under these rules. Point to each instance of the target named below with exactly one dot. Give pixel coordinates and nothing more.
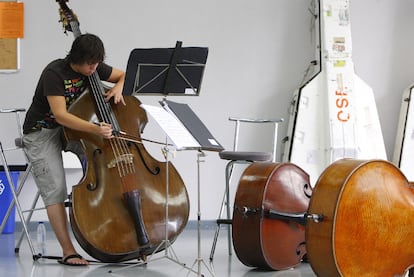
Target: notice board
(11, 30)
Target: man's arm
(117, 77)
(63, 117)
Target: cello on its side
(367, 227)
(262, 237)
(118, 209)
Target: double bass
(367, 227)
(358, 221)
(119, 210)
(262, 236)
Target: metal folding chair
(15, 190)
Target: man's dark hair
(86, 48)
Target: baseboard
(191, 225)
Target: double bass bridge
(124, 158)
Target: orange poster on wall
(11, 20)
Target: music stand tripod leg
(168, 250)
(199, 261)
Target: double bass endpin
(315, 217)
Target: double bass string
(119, 147)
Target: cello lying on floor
(360, 213)
(367, 227)
(260, 239)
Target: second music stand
(187, 132)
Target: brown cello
(119, 209)
(367, 227)
(262, 236)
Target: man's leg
(58, 219)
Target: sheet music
(174, 129)
(193, 124)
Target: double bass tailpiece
(300, 218)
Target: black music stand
(165, 71)
(173, 71)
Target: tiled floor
(160, 265)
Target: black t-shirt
(58, 78)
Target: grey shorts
(44, 151)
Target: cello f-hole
(91, 186)
(154, 171)
(301, 248)
(307, 190)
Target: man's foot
(74, 260)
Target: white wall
(383, 56)
(258, 54)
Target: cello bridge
(124, 158)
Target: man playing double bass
(60, 84)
